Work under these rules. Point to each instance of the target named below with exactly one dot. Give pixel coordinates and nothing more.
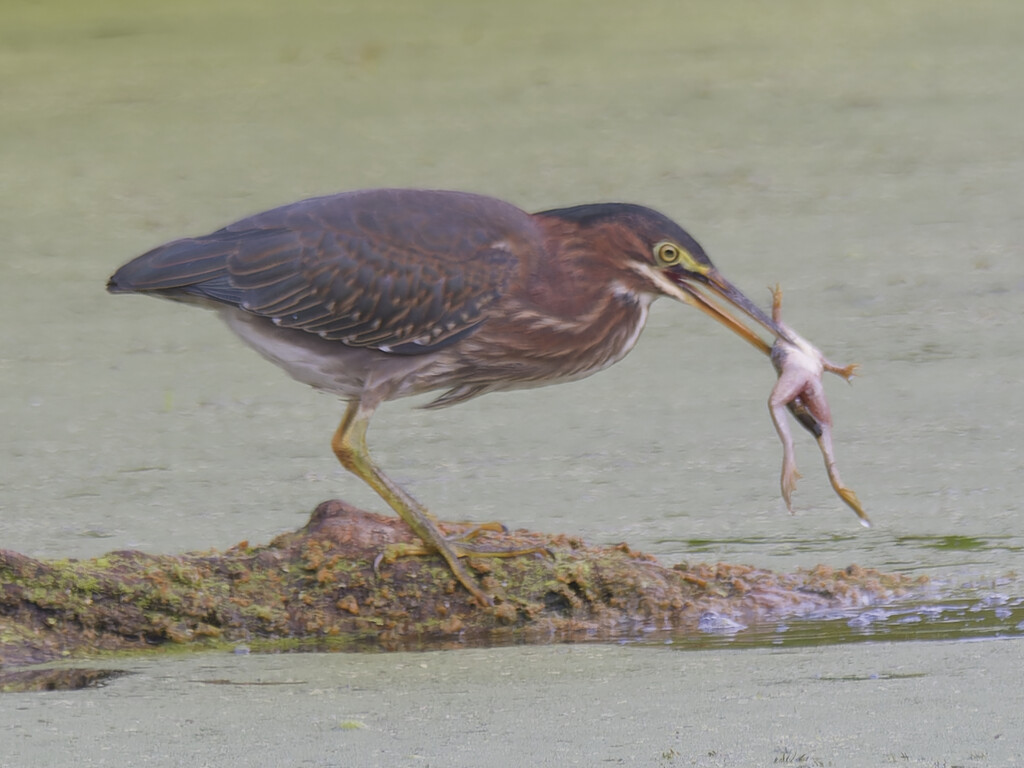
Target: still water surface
(865, 156)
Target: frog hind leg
(790, 474)
(846, 494)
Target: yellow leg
(349, 445)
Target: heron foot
(459, 546)
(472, 530)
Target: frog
(801, 367)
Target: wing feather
(406, 271)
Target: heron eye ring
(668, 254)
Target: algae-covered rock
(320, 585)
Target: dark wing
(405, 271)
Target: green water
(866, 156)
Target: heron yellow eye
(668, 254)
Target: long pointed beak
(718, 296)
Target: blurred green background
(867, 156)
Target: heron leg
(349, 445)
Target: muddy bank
(319, 584)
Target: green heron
(380, 294)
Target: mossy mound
(320, 584)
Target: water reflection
(991, 616)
